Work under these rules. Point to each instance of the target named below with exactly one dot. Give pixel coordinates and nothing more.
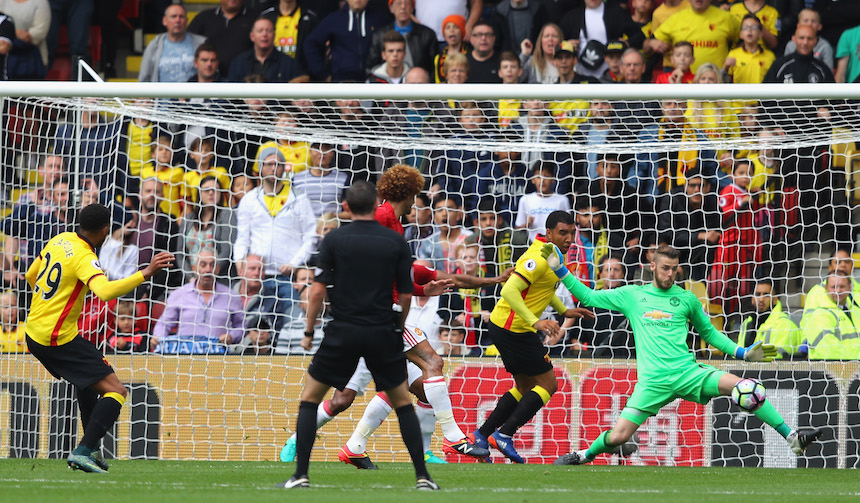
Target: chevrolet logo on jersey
(657, 315)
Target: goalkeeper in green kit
(667, 370)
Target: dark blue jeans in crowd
(76, 15)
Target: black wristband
(309, 334)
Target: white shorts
(361, 378)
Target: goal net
(755, 185)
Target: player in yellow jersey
(61, 276)
(520, 336)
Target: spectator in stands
(274, 213)
(202, 316)
(689, 220)
(322, 183)
(502, 183)
(441, 246)
(76, 16)
(454, 27)
(295, 152)
(598, 129)
(119, 254)
(172, 177)
(716, 119)
(749, 63)
(732, 274)
(608, 334)
(394, 68)
(467, 307)
(830, 330)
(434, 13)
(360, 162)
(516, 22)
(11, 329)
(326, 223)
(127, 337)
(242, 184)
(453, 340)
(29, 227)
(642, 274)
(766, 14)
(227, 27)
(458, 170)
(206, 64)
(682, 59)
(769, 324)
(258, 339)
(249, 287)
(641, 11)
(537, 125)
(822, 51)
(848, 55)
(592, 26)
(564, 60)
(663, 12)
(634, 115)
(346, 35)
(614, 50)
(711, 45)
(135, 147)
(500, 245)
(50, 170)
(263, 59)
(659, 172)
(484, 59)
(170, 55)
(28, 57)
(98, 143)
(419, 222)
(294, 21)
(801, 66)
(535, 207)
(209, 224)
(156, 232)
(841, 262)
(510, 71)
(202, 156)
(627, 215)
(592, 241)
(421, 47)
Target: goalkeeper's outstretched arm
(587, 297)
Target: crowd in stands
(245, 213)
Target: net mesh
(746, 190)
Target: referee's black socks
(101, 419)
(306, 434)
(411, 433)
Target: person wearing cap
(454, 28)
(614, 50)
(421, 46)
(277, 224)
(592, 26)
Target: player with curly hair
(396, 189)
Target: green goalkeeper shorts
(699, 383)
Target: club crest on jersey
(97, 264)
(675, 301)
(530, 264)
(657, 315)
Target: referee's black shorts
(77, 361)
(337, 358)
(522, 353)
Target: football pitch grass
(36, 481)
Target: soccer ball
(749, 394)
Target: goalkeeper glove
(757, 352)
(554, 260)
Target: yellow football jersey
(193, 178)
(534, 270)
(173, 187)
(750, 68)
(712, 34)
(69, 262)
(768, 16)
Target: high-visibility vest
(818, 297)
(777, 329)
(831, 334)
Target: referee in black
(358, 265)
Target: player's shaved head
(95, 217)
(558, 217)
(361, 198)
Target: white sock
(375, 413)
(427, 421)
(436, 391)
(323, 416)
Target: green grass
(50, 481)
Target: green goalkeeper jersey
(660, 321)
